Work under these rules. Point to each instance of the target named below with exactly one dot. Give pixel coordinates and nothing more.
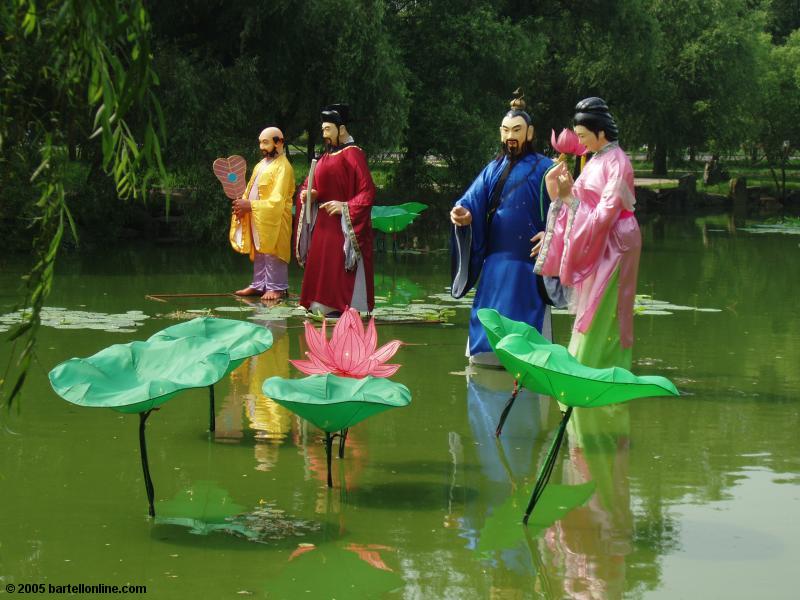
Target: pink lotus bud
(567, 143)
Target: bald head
(270, 141)
(271, 132)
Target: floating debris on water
(62, 318)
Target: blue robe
(500, 254)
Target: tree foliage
(73, 71)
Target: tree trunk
(660, 160)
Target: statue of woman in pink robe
(592, 241)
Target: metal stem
(549, 463)
(328, 452)
(148, 482)
(212, 416)
(507, 409)
(342, 440)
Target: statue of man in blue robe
(496, 222)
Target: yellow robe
(268, 227)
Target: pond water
(689, 497)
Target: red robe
(340, 175)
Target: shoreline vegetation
(198, 210)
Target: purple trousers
(270, 273)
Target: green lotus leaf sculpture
(138, 377)
(334, 404)
(391, 219)
(551, 370)
(239, 338)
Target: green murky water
(691, 497)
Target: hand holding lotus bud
(567, 143)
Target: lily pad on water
(278, 312)
(647, 305)
(242, 308)
(62, 318)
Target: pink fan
(231, 173)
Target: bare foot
(248, 291)
(273, 295)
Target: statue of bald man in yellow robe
(261, 225)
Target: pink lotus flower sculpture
(351, 351)
(567, 143)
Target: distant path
(652, 181)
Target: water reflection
(492, 523)
(589, 546)
(205, 507)
(269, 423)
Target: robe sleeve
(587, 239)
(468, 244)
(239, 233)
(357, 209)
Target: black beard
(271, 154)
(516, 151)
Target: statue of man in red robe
(334, 227)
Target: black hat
(335, 113)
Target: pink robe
(586, 243)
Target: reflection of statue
(591, 543)
(505, 462)
(270, 422)
(494, 222)
(487, 392)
